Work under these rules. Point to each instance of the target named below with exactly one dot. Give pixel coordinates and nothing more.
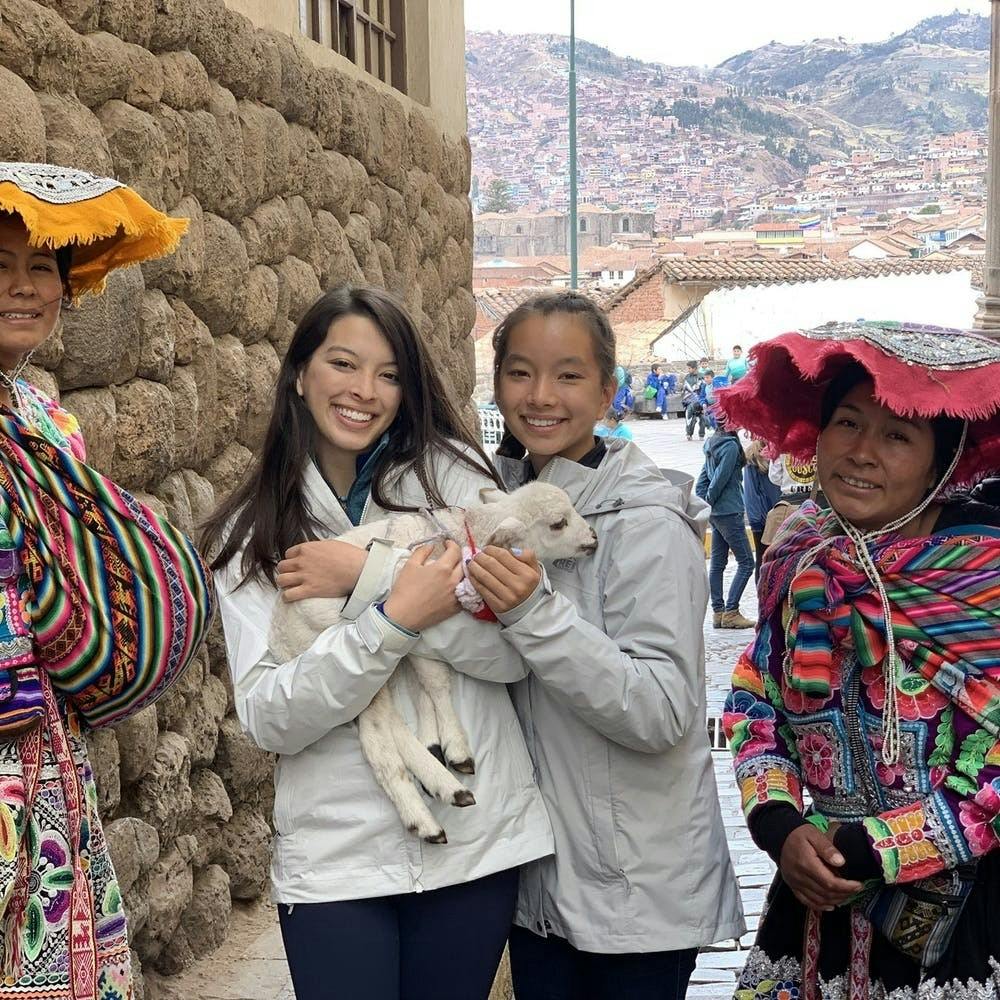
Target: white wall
(746, 316)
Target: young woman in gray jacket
(361, 425)
(613, 707)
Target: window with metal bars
(371, 33)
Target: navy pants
(729, 534)
(551, 968)
(443, 944)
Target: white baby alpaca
(538, 516)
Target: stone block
(304, 155)
(261, 308)
(184, 392)
(254, 142)
(220, 296)
(425, 143)
(293, 99)
(245, 852)
(50, 351)
(173, 493)
(134, 847)
(80, 15)
(176, 166)
(262, 374)
(22, 124)
(144, 449)
(199, 722)
(206, 159)
(181, 271)
(233, 195)
(173, 24)
(202, 497)
(226, 43)
(302, 283)
(101, 334)
(328, 106)
(395, 156)
(95, 410)
(73, 136)
(240, 763)
(137, 147)
(186, 85)
(145, 78)
(206, 920)
(303, 229)
(267, 232)
(157, 335)
(102, 749)
(336, 259)
(105, 59)
(210, 810)
(276, 152)
(137, 737)
(227, 469)
(162, 796)
(171, 886)
(231, 360)
(355, 124)
(130, 20)
(37, 45)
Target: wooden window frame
(371, 33)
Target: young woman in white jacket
(613, 707)
(361, 425)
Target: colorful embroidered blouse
(819, 726)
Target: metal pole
(574, 280)
(988, 316)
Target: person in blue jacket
(720, 485)
(760, 495)
(624, 400)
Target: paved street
(250, 966)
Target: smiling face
(30, 293)
(550, 388)
(351, 387)
(874, 466)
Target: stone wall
(295, 177)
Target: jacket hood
(625, 478)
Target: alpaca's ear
(490, 494)
(508, 534)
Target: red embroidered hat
(923, 371)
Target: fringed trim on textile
(111, 230)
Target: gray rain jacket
(613, 712)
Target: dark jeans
(443, 944)
(729, 535)
(695, 412)
(759, 548)
(552, 969)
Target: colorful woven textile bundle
(942, 590)
(119, 598)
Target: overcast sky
(679, 32)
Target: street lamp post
(574, 280)
(988, 316)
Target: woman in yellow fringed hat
(102, 603)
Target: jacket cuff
(861, 864)
(379, 633)
(512, 617)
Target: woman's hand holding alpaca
(504, 580)
(424, 591)
(325, 568)
(808, 865)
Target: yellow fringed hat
(106, 223)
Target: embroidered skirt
(969, 970)
(38, 961)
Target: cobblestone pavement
(251, 965)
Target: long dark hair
(548, 304)
(268, 508)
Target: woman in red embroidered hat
(873, 683)
(102, 603)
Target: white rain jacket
(337, 834)
(613, 710)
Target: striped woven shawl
(944, 594)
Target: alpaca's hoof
(437, 838)
(463, 798)
(467, 766)
(437, 753)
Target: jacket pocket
(282, 797)
(597, 774)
